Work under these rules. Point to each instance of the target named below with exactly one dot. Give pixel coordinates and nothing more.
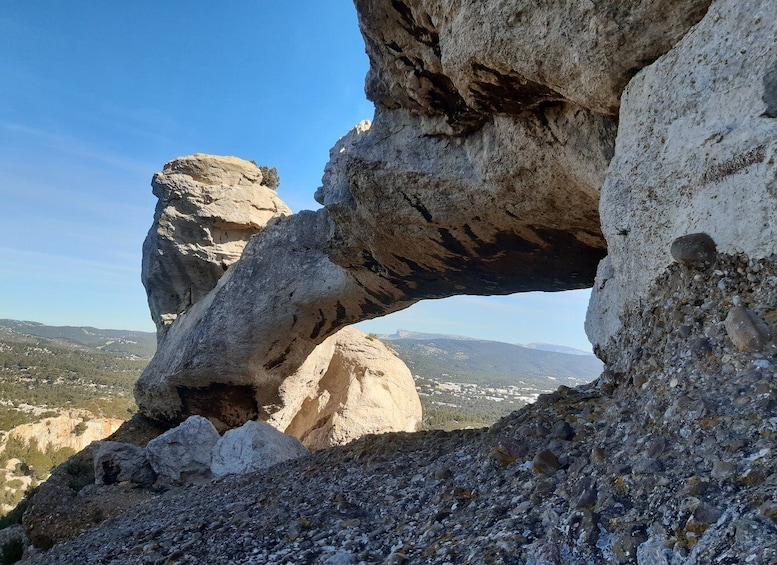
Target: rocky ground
(669, 460)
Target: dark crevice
(319, 325)
(416, 205)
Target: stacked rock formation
(480, 174)
(209, 208)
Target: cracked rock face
(209, 207)
(694, 154)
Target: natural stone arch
(461, 185)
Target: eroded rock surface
(209, 207)
(694, 154)
(468, 59)
(480, 174)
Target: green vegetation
(43, 372)
(492, 363)
(36, 462)
(75, 368)
(467, 383)
(270, 177)
(11, 552)
(122, 343)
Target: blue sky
(96, 96)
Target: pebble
(696, 250)
(746, 330)
(545, 462)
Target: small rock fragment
(598, 455)
(545, 462)
(562, 430)
(696, 250)
(746, 330)
(722, 470)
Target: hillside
(123, 342)
(494, 363)
(465, 382)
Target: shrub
(80, 428)
(12, 551)
(270, 177)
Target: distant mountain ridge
(493, 362)
(555, 348)
(409, 334)
(122, 342)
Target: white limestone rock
(479, 175)
(182, 454)
(466, 58)
(694, 153)
(251, 447)
(364, 389)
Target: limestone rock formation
(73, 429)
(335, 419)
(468, 59)
(365, 389)
(477, 176)
(251, 447)
(693, 154)
(209, 207)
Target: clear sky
(96, 96)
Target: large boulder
(693, 156)
(209, 207)
(252, 447)
(183, 454)
(117, 462)
(365, 389)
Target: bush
(12, 551)
(270, 177)
(80, 428)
